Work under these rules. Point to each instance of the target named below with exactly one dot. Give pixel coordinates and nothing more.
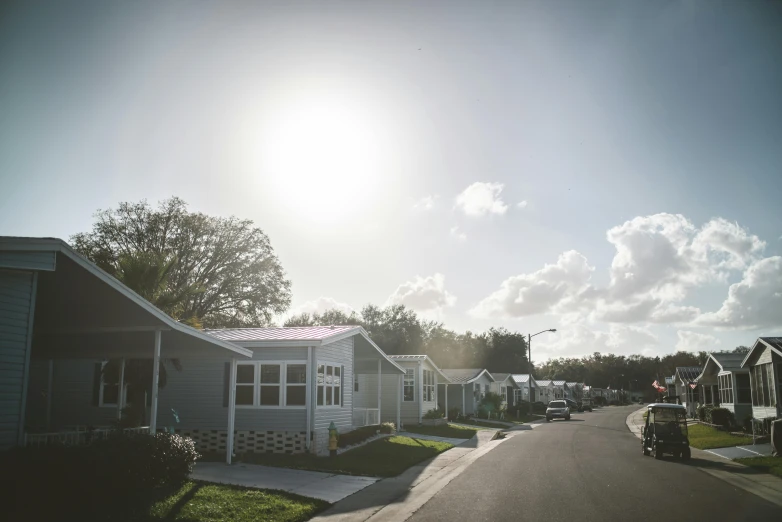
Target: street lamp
(529, 363)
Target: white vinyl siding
(339, 353)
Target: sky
(611, 169)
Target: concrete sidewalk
(764, 485)
(449, 440)
(397, 498)
(325, 486)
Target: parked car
(573, 405)
(585, 405)
(557, 410)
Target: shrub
(349, 438)
(387, 427)
(454, 413)
(436, 413)
(704, 413)
(85, 481)
(722, 417)
(490, 403)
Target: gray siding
(764, 357)
(72, 396)
(340, 352)
(389, 394)
(294, 353)
(27, 260)
(35, 418)
(16, 290)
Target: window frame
(763, 391)
(122, 387)
(725, 388)
(409, 372)
(283, 385)
(330, 364)
(429, 387)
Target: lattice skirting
(249, 441)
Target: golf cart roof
(666, 405)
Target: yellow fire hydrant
(332, 439)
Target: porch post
(229, 443)
(379, 387)
(155, 380)
(399, 403)
(308, 396)
(446, 399)
(121, 397)
(49, 386)
(464, 411)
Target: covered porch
(377, 385)
(79, 319)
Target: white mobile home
(504, 386)
(419, 391)
(764, 362)
(466, 388)
(723, 382)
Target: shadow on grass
(187, 497)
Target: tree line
(215, 272)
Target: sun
(321, 158)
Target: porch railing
(366, 416)
(76, 437)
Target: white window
(725, 385)
(261, 384)
(504, 393)
(408, 390)
(429, 386)
(329, 385)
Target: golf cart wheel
(567, 418)
(548, 419)
(686, 454)
(657, 453)
(646, 450)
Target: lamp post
(529, 363)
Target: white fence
(77, 437)
(366, 417)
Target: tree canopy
(215, 271)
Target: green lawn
(202, 502)
(771, 465)
(706, 437)
(386, 457)
(483, 423)
(450, 431)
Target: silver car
(557, 410)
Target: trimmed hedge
(93, 481)
(715, 415)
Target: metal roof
(499, 377)
(558, 383)
(688, 373)
(572, 384)
(775, 343)
(666, 405)
(465, 376)
(411, 358)
(283, 333)
(545, 382)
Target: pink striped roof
(285, 333)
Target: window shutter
(226, 383)
(96, 373)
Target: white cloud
(522, 204)
(424, 294)
(579, 339)
(753, 302)
(426, 203)
(481, 198)
(458, 234)
(554, 288)
(320, 305)
(695, 342)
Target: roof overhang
(281, 343)
(760, 343)
(489, 375)
(159, 319)
(419, 358)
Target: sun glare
(322, 159)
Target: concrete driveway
(325, 486)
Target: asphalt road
(588, 469)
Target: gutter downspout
(308, 403)
(420, 391)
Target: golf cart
(665, 431)
(585, 404)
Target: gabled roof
(37, 244)
(502, 377)
(688, 374)
(409, 358)
(465, 376)
(775, 343)
(559, 383)
(544, 382)
(573, 384)
(520, 378)
(284, 333)
(723, 362)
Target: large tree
(219, 272)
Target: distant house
(545, 390)
(560, 389)
(685, 379)
(670, 384)
(466, 388)
(574, 390)
(723, 382)
(764, 362)
(505, 386)
(420, 387)
(526, 384)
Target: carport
(54, 304)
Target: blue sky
(386, 148)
